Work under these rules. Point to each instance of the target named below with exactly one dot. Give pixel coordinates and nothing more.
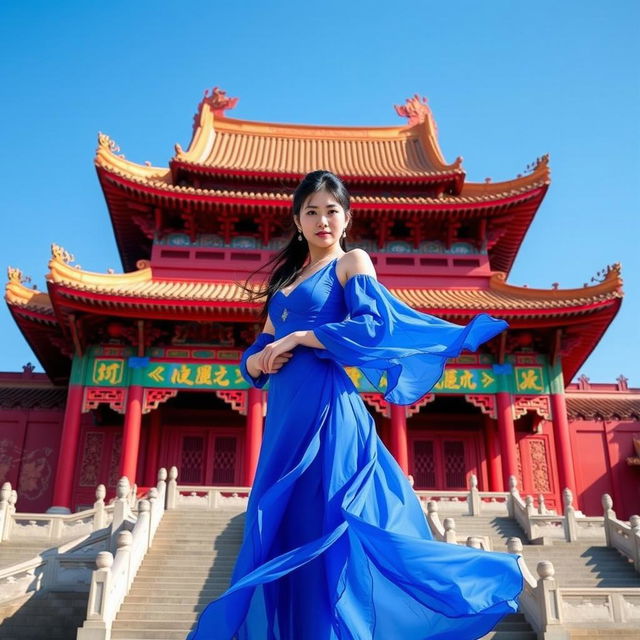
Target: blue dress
(336, 545)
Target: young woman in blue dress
(336, 545)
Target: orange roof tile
(499, 297)
(603, 405)
(222, 142)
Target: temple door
(209, 456)
(443, 462)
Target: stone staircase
(189, 565)
(576, 564)
(16, 552)
(54, 615)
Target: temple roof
(138, 294)
(120, 290)
(219, 143)
(604, 406)
(254, 165)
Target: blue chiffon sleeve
(262, 340)
(383, 334)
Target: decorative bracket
(412, 409)
(152, 398)
(236, 398)
(486, 402)
(377, 401)
(539, 404)
(94, 396)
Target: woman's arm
(351, 263)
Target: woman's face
(322, 220)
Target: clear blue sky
(507, 82)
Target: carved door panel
(208, 456)
(442, 462)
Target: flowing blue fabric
(336, 545)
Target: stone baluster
(570, 525)
(474, 496)
(433, 518)
(609, 517)
(542, 509)
(99, 514)
(5, 511)
(124, 544)
(121, 508)
(450, 531)
(548, 596)
(172, 489)
(474, 542)
(513, 494)
(161, 485)
(634, 523)
(96, 626)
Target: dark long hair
(288, 262)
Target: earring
(344, 233)
(299, 237)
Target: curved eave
(201, 149)
(36, 320)
(513, 211)
(159, 193)
(454, 177)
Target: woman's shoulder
(353, 262)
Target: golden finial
(415, 109)
(15, 275)
(61, 255)
(106, 142)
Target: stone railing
(620, 535)
(50, 528)
(542, 528)
(131, 536)
(551, 610)
(70, 542)
(472, 502)
(445, 530)
(192, 497)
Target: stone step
(149, 634)
(170, 598)
(59, 613)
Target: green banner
(111, 371)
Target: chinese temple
(142, 366)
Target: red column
(131, 435)
(398, 440)
(563, 444)
(507, 436)
(63, 486)
(153, 446)
(493, 456)
(253, 439)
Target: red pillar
(153, 447)
(398, 440)
(253, 439)
(507, 436)
(63, 486)
(131, 435)
(493, 456)
(563, 444)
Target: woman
(336, 545)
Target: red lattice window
(191, 469)
(454, 464)
(224, 460)
(424, 463)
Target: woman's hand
(277, 353)
(255, 365)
